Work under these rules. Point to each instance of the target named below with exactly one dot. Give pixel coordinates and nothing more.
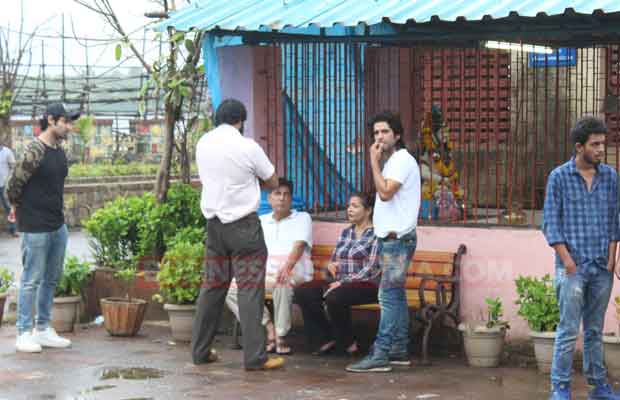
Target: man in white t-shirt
(288, 235)
(230, 166)
(396, 176)
(7, 163)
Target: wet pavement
(10, 249)
(152, 366)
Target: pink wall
(495, 258)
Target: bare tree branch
(103, 8)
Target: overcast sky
(47, 15)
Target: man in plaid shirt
(581, 223)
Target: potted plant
(538, 305)
(68, 295)
(113, 237)
(611, 345)
(484, 340)
(180, 278)
(6, 281)
(123, 316)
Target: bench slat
(413, 300)
(434, 256)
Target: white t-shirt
(400, 214)
(280, 236)
(7, 161)
(228, 166)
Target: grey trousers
(233, 304)
(238, 250)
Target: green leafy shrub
(189, 234)
(110, 169)
(114, 230)
(495, 311)
(7, 278)
(75, 276)
(162, 222)
(128, 276)
(537, 303)
(180, 274)
(118, 168)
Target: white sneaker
(49, 338)
(25, 343)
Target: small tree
(85, 128)
(15, 56)
(176, 75)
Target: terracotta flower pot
(122, 317)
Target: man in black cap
(35, 189)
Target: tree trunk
(184, 159)
(163, 174)
(5, 132)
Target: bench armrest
(440, 290)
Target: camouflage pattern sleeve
(23, 171)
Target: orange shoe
(273, 363)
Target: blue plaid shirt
(586, 222)
(357, 256)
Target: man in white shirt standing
(230, 167)
(288, 235)
(395, 219)
(7, 163)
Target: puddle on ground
(131, 373)
(140, 398)
(102, 387)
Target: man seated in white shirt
(288, 236)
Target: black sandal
(271, 346)
(286, 352)
(323, 351)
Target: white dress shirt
(229, 166)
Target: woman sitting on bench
(353, 279)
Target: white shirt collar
(230, 128)
(270, 220)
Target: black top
(41, 205)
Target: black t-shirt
(41, 206)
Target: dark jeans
(238, 250)
(7, 208)
(318, 329)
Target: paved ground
(10, 249)
(89, 370)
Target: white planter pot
(483, 346)
(611, 346)
(181, 320)
(543, 348)
(65, 313)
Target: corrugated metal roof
(282, 15)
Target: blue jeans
(393, 334)
(584, 294)
(43, 256)
(7, 209)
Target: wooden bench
(432, 287)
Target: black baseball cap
(57, 110)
